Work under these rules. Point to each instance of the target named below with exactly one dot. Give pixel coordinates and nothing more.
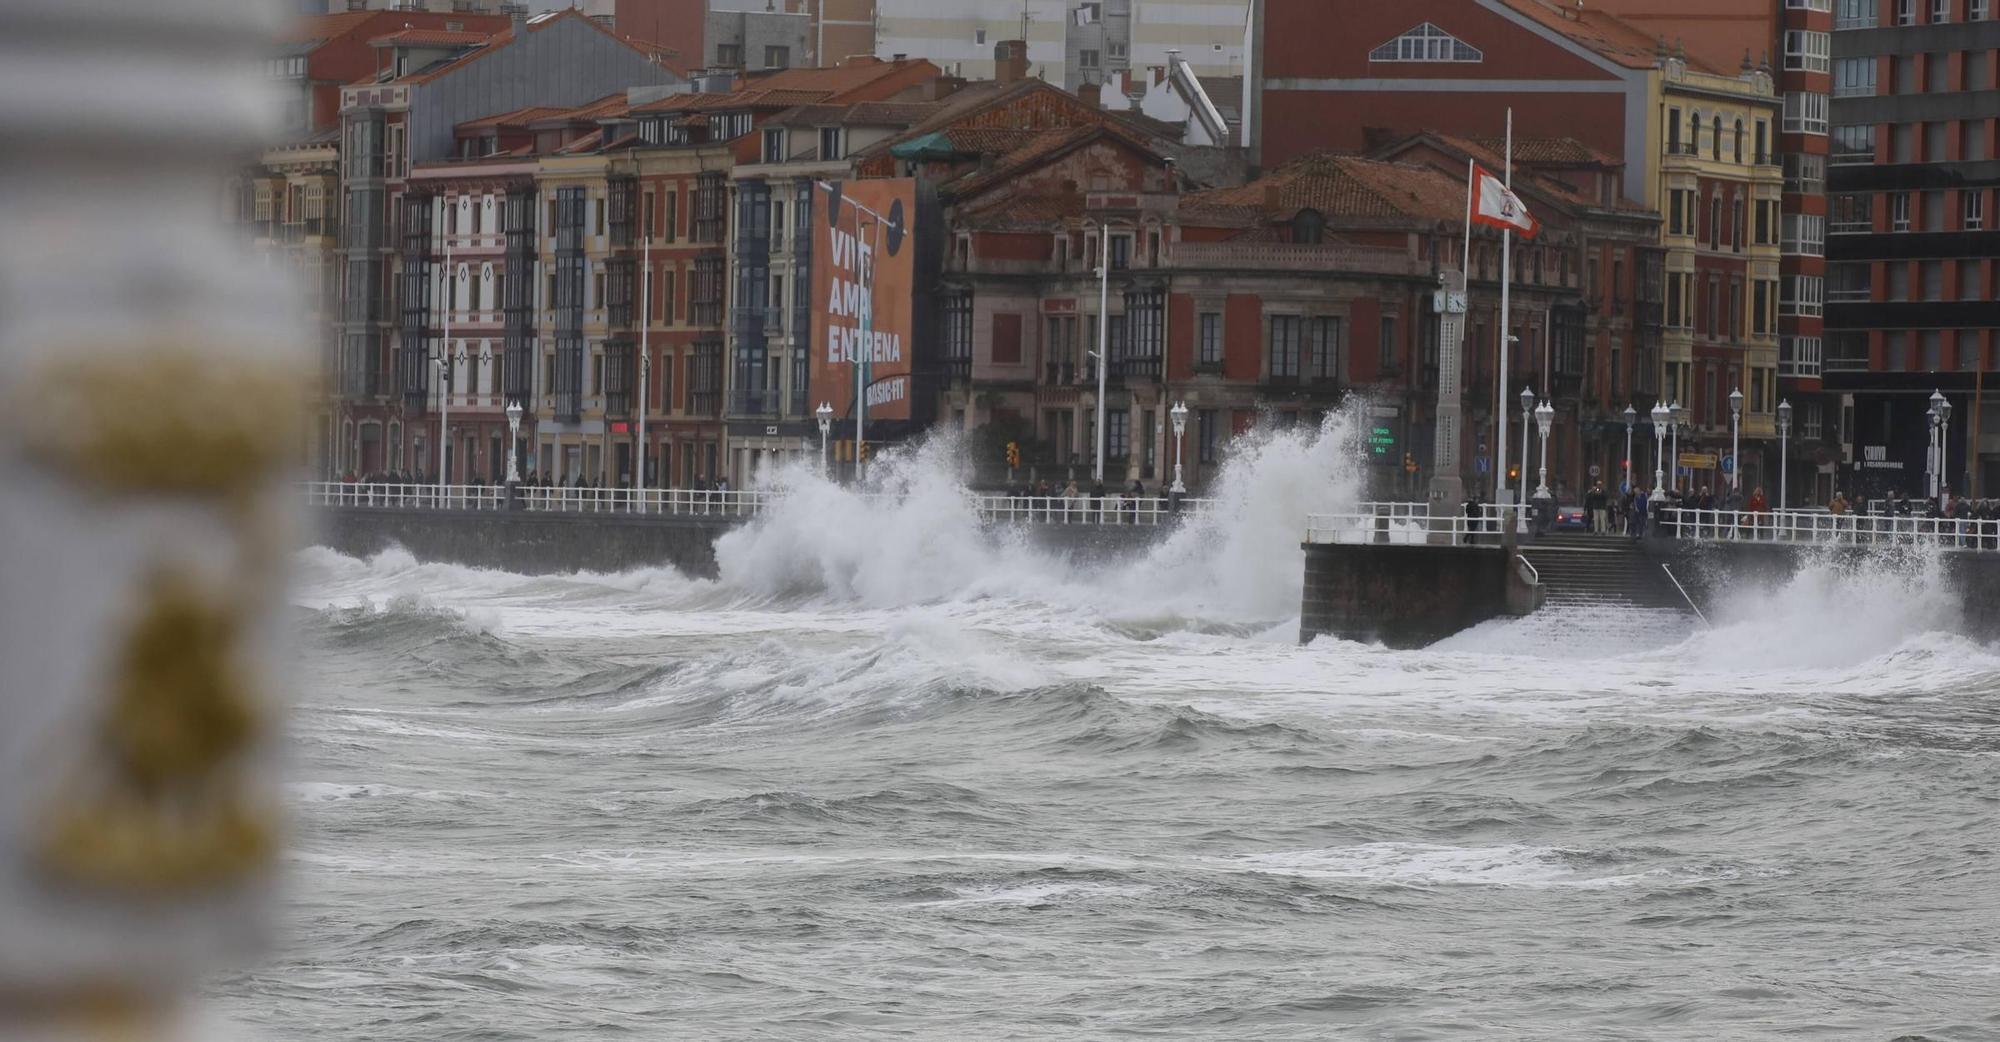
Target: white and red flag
(1495, 204)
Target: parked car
(1570, 519)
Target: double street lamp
(1939, 415)
(1545, 414)
(1736, 442)
(1661, 415)
(1527, 413)
(824, 414)
(1179, 415)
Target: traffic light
(1409, 463)
(1013, 455)
(1513, 472)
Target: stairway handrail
(1684, 595)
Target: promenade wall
(539, 543)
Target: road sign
(1483, 464)
(1697, 461)
(1729, 464)
(1382, 441)
(1596, 471)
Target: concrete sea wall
(539, 543)
(1404, 596)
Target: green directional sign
(1382, 443)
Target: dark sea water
(983, 795)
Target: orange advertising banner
(863, 294)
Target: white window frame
(1804, 234)
(1807, 50)
(1426, 43)
(1809, 5)
(1975, 10)
(1899, 211)
(1802, 296)
(1906, 12)
(1855, 14)
(1940, 12)
(1805, 112)
(1972, 205)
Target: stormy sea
(894, 776)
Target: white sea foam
(1428, 865)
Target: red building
(1342, 73)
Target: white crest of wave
(914, 536)
(1836, 611)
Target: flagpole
(1506, 276)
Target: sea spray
(913, 535)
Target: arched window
(1740, 157)
(1715, 221)
(1309, 227)
(1694, 133)
(1715, 140)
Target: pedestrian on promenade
(1594, 504)
(1138, 491)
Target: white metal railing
(1061, 510)
(1081, 510)
(1812, 526)
(1411, 523)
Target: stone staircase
(1582, 570)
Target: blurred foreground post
(150, 376)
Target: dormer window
(1426, 43)
(829, 143)
(774, 145)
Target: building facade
(1911, 302)
(1070, 42)
(386, 341)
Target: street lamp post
(1940, 415)
(514, 442)
(1545, 415)
(1674, 440)
(1631, 418)
(824, 414)
(1660, 417)
(1784, 443)
(1944, 447)
(1736, 442)
(1179, 415)
(1527, 413)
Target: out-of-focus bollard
(150, 380)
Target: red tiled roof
(1550, 150)
(429, 38)
(1041, 148)
(1600, 31)
(851, 75)
(315, 28)
(1338, 185)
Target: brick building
(1911, 279)
(411, 114)
(1697, 145)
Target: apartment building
(1911, 278)
(410, 114)
(1070, 42)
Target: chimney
(1010, 61)
(517, 20)
(1092, 94)
(1159, 74)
